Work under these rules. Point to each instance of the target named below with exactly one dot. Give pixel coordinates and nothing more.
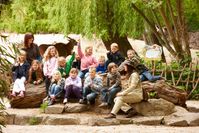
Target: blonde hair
(88, 47)
(115, 45)
(60, 59)
(102, 58)
(92, 69)
(53, 76)
(47, 55)
(21, 53)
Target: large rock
(55, 109)
(182, 118)
(151, 120)
(61, 120)
(27, 120)
(103, 122)
(33, 97)
(154, 107)
(193, 106)
(75, 108)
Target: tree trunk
(122, 42)
(34, 96)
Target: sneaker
(110, 116)
(65, 101)
(50, 102)
(45, 99)
(103, 105)
(83, 101)
(131, 113)
(21, 94)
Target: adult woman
(31, 48)
(132, 94)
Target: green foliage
(43, 106)
(33, 121)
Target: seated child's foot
(110, 116)
(83, 101)
(103, 105)
(65, 101)
(50, 102)
(13, 95)
(21, 94)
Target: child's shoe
(104, 104)
(21, 94)
(65, 101)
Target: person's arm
(87, 82)
(98, 84)
(118, 81)
(108, 80)
(54, 63)
(69, 64)
(109, 56)
(62, 83)
(120, 58)
(79, 50)
(79, 82)
(94, 62)
(45, 68)
(67, 82)
(134, 81)
(30, 76)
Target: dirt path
(102, 129)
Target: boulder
(75, 108)
(103, 122)
(55, 109)
(154, 107)
(193, 106)
(33, 97)
(150, 120)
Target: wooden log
(167, 92)
(34, 96)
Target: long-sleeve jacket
(134, 85)
(86, 61)
(70, 81)
(101, 69)
(67, 67)
(97, 83)
(20, 71)
(113, 80)
(60, 83)
(116, 57)
(50, 66)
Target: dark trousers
(109, 95)
(73, 90)
(89, 94)
(47, 84)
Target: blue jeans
(55, 90)
(109, 95)
(89, 94)
(82, 73)
(146, 75)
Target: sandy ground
(102, 129)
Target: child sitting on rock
(73, 86)
(135, 61)
(35, 73)
(92, 87)
(65, 66)
(114, 55)
(20, 74)
(56, 87)
(113, 85)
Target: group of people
(79, 76)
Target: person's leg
(77, 92)
(22, 86)
(142, 77)
(47, 84)
(86, 91)
(51, 89)
(112, 94)
(150, 77)
(104, 95)
(57, 91)
(117, 106)
(91, 97)
(15, 87)
(68, 91)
